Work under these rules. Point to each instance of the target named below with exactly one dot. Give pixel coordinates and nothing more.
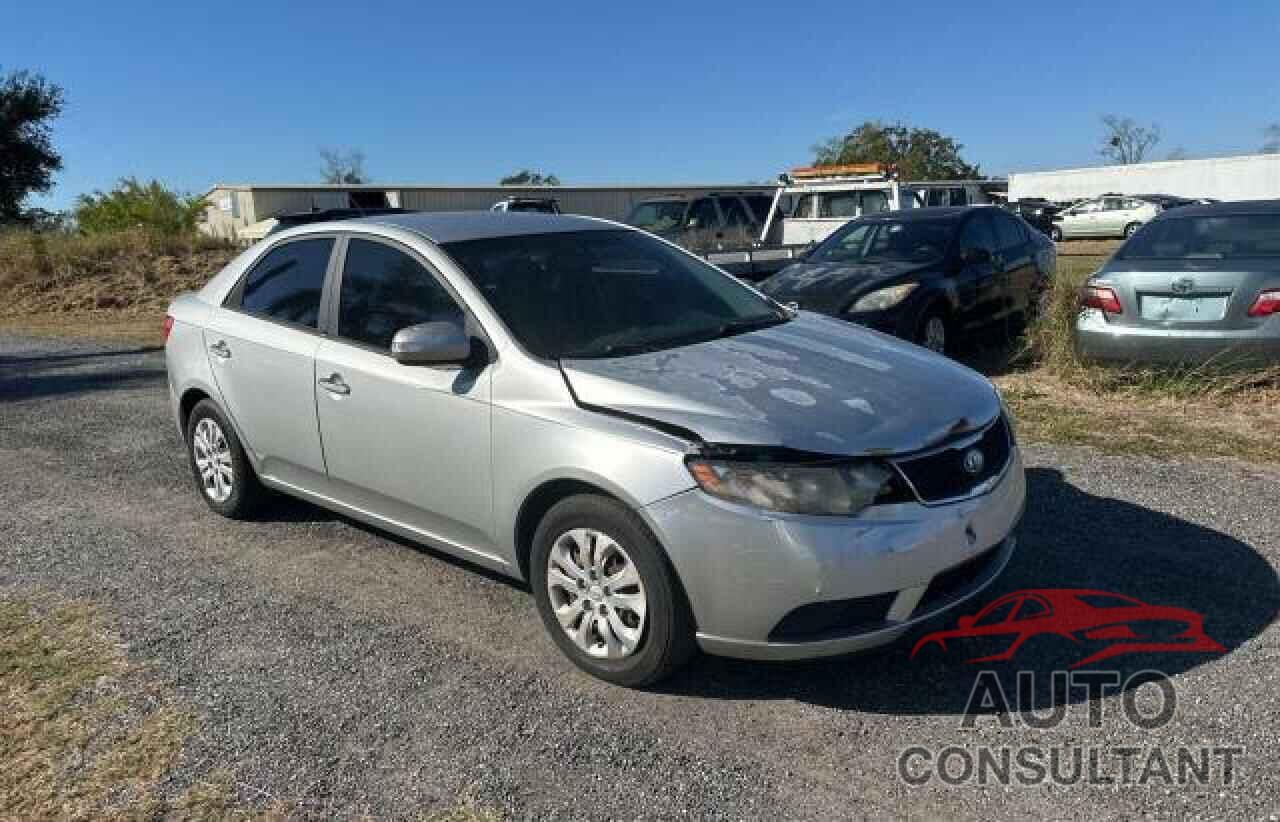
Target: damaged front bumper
(771, 586)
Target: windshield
(1211, 238)
(607, 293)
(658, 216)
(877, 241)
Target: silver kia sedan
(1200, 284)
(671, 460)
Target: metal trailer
(1246, 177)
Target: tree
(1271, 136)
(28, 105)
(526, 177)
(134, 205)
(1124, 142)
(918, 153)
(343, 167)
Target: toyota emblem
(973, 461)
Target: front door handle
(334, 384)
(221, 350)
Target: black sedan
(928, 275)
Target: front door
(261, 346)
(407, 443)
(979, 285)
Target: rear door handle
(334, 384)
(221, 350)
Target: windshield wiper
(746, 324)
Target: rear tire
(223, 475)
(659, 622)
(1130, 229)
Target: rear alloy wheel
(933, 333)
(607, 594)
(222, 471)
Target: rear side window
(977, 234)
(385, 290)
(1008, 232)
(286, 284)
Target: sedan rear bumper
(1097, 339)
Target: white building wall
(1249, 177)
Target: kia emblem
(973, 461)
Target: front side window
(286, 284)
(702, 214)
(385, 290)
(606, 293)
(1214, 238)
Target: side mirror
(965, 622)
(975, 256)
(444, 342)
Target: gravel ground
(349, 672)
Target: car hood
(813, 384)
(833, 279)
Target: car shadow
(39, 376)
(1068, 539)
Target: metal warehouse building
(239, 211)
(1247, 177)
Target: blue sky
(456, 92)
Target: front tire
(222, 472)
(607, 594)
(934, 332)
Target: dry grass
(75, 741)
(132, 273)
(85, 734)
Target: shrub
(132, 205)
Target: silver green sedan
(671, 460)
(1200, 284)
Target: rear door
(979, 285)
(1082, 220)
(262, 344)
(408, 443)
(1016, 262)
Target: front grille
(941, 475)
(842, 617)
(958, 579)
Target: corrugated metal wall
(1251, 177)
(254, 204)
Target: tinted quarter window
(385, 290)
(286, 283)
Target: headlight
(884, 298)
(840, 489)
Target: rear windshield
(606, 293)
(1211, 238)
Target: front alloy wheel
(597, 593)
